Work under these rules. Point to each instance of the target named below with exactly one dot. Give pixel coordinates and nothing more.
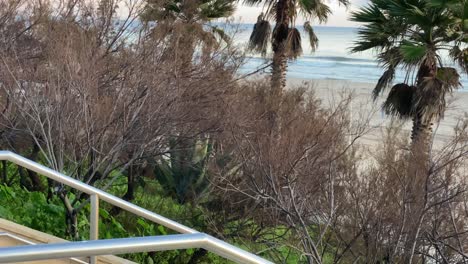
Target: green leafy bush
(32, 209)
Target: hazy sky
(247, 14)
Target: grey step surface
(12, 234)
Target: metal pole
(94, 223)
(126, 245)
(98, 247)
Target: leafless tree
(96, 96)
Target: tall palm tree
(186, 24)
(415, 34)
(285, 37)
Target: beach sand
(329, 92)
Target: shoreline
(345, 82)
(328, 91)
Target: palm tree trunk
(422, 127)
(278, 75)
(417, 182)
(278, 82)
(418, 171)
(280, 63)
(182, 48)
(421, 136)
(280, 35)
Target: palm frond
(293, 44)
(313, 9)
(380, 31)
(270, 10)
(217, 9)
(450, 77)
(427, 68)
(390, 59)
(344, 2)
(398, 102)
(306, 6)
(369, 14)
(460, 57)
(384, 82)
(429, 99)
(221, 34)
(260, 36)
(252, 2)
(414, 12)
(280, 36)
(412, 53)
(313, 40)
(321, 11)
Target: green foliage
(193, 17)
(204, 10)
(184, 174)
(412, 53)
(152, 197)
(32, 209)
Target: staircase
(12, 235)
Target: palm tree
(186, 24)
(414, 34)
(285, 38)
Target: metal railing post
(94, 223)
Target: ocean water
(332, 59)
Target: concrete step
(9, 240)
(12, 234)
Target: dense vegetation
(143, 100)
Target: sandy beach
(329, 92)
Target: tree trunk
(418, 170)
(417, 183)
(25, 182)
(278, 75)
(421, 135)
(280, 36)
(4, 171)
(182, 48)
(37, 184)
(29, 179)
(280, 61)
(131, 183)
(131, 186)
(71, 217)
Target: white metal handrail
(125, 245)
(192, 239)
(27, 242)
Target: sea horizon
(331, 61)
